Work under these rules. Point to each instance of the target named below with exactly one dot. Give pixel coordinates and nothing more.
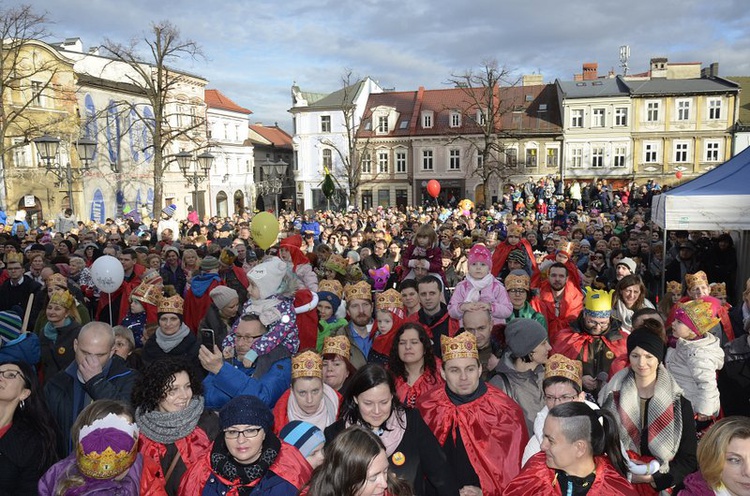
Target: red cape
(194, 308)
(426, 382)
(492, 428)
(536, 277)
(500, 255)
(537, 479)
(191, 448)
(575, 346)
(307, 322)
(570, 307)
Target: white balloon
(107, 273)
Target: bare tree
(153, 72)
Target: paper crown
(337, 345)
(515, 230)
(462, 346)
(57, 281)
(598, 301)
(561, 366)
(698, 315)
(517, 281)
(674, 287)
(173, 304)
(331, 286)
(337, 263)
(307, 364)
(697, 279)
(147, 293)
(151, 277)
(64, 299)
(14, 257)
(107, 447)
(228, 256)
(389, 299)
(719, 289)
(566, 248)
(359, 291)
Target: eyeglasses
(555, 399)
(9, 374)
(598, 325)
(237, 337)
(247, 433)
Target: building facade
(272, 146)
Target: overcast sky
(256, 49)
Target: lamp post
(48, 147)
(195, 171)
(273, 179)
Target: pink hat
(480, 253)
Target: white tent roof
(718, 200)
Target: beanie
(648, 341)
(303, 436)
(517, 256)
(169, 210)
(268, 276)
(331, 298)
(246, 410)
(629, 263)
(209, 263)
(222, 296)
(480, 254)
(523, 335)
(10, 326)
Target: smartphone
(207, 338)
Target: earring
(21, 405)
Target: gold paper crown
(388, 299)
(337, 345)
(307, 364)
(14, 257)
(701, 314)
(598, 300)
(147, 293)
(567, 248)
(561, 366)
(106, 464)
(359, 291)
(64, 299)
(515, 230)
(719, 289)
(173, 304)
(337, 263)
(513, 281)
(152, 277)
(462, 346)
(331, 286)
(674, 287)
(57, 280)
(697, 279)
(228, 256)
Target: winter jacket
(527, 312)
(235, 380)
(188, 348)
(695, 485)
(494, 294)
(525, 388)
(58, 354)
(20, 460)
(693, 364)
(25, 348)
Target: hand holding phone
(207, 339)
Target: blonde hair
(712, 449)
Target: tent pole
(663, 263)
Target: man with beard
(433, 314)
(360, 330)
(559, 300)
(596, 340)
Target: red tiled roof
(216, 99)
(274, 134)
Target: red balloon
(678, 175)
(433, 188)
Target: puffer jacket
(693, 364)
(525, 388)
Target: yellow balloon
(265, 229)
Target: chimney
(590, 71)
(659, 67)
(532, 80)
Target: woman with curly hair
(175, 430)
(630, 296)
(413, 364)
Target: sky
(256, 49)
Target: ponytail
(611, 441)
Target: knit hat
(523, 335)
(517, 256)
(246, 410)
(169, 248)
(268, 276)
(169, 210)
(698, 315)
(585, 242)
(480, 253)
(209, 263)
(629, 263)
(648, 341)
(222, 296)
(330, 290)
(303, 436)
(10, 326)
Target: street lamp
(273, 179)
(48, 146)
(195, 171)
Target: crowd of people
(528, 348)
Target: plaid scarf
(664, 415)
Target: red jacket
(500, 255)
(191, 448)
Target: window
(511, 157)
(383, 124)
(621, 116)
(714, 109)
(400, 161)
(366, 199)
(366, 163)
(597, 157)
(681, 151)
(21, 153)
(576, 157)
(481, 118)
(619, 158)
(36, 93)
(650, 153)
(652, 111)
(427, 160)
(328, 159)
(712, 151)
(553, 157)
(454, 159)
(383, 162)
(427, 120)
(531, 157)
(598, 117)
(576, 118)
(325, 123)
(180, 120)
(455, 119)
(683, 110)
(480, 160)
(384, 198)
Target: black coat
(11, 296)
(425, 466)
(188, 348)
(58, 354)
(21, 455)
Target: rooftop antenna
(624, 56)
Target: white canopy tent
(718, 200)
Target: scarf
(392, 432)
(241, 478)
(625, 315)
(664, 414)
(168, 343)
(50, 331)
(324, 416)
(168, 427)
(477, 285)
(461, 399)
(266, 310)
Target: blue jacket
(235, 380)
(25, 348)
(270, 485)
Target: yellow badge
(61, 350)
(609, 355)
(398, 459)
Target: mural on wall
(148, 123)
(90, 127)
(113, 132)
(98, 209)
(150, 202)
